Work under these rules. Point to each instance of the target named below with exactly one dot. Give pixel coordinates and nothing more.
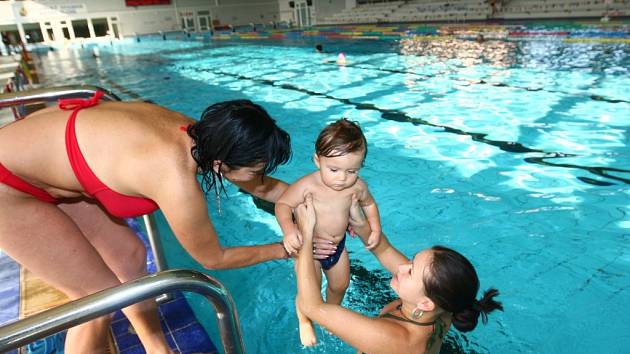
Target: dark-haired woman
(436, 289)
(70, 174)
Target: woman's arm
(370, 210)
(387, 254)
(373, 217)
(185, 209)
(373, 239)
(266, 188)
(371, 335)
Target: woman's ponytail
(466, 320)
(452, 283)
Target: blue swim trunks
(329, 262)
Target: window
(33, 33)
(81, 29)
(100, 27)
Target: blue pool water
(516, 154)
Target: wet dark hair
(240, 134)
(452, 283)
(340, 138)
(319, 47)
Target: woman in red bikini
(436, 289)
(68, 175)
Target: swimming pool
(520, 160)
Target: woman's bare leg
(125, 255)
(307, 331)
(45, 240)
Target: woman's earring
(217, 201)
(417, 313)
(217, 196)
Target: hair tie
(477, 306)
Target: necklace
(438, 327)
(399, 308)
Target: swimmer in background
(341, 59)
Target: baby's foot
(307, 334)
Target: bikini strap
(404, 319)
(69, 104)
(438, 333)
(389, 315)
(438, 326)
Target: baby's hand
(373, 240)
(292, 242)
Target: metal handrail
(51, 321)
(52, 94)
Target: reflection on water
(592, 57)
(606, 58)
(469, 52)
(369, 289)
(520, 161)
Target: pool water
(514, 153)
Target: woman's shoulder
(149, 111)
(407, 337)
(427, 335)
(142, 136)
(139, 122)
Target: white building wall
(242, 12)
(288, 13)
(319, 9)
(327, 8)
(285, 12)
(51, 14)
(142, 21)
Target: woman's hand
(323, 248)
(306, 218)
(358, 221)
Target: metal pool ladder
(43, 324)
(163, 282)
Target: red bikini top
(115, 203)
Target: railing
(10, 99)
(51, 321)
(53, 94)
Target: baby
(339, 154)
